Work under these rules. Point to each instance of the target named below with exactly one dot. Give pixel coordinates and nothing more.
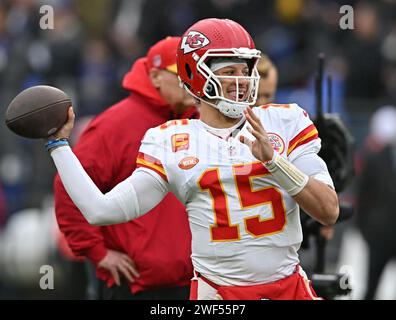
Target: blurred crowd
(94, 43)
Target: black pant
(123, 292)
(379, 256)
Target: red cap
(162, 55)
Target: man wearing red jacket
(148, 258)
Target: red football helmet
(217, 38)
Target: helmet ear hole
(189, 71)
(209, 89)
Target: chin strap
(232, 110)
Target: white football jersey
(245, 228)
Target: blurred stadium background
(93, 44)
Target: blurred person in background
(376, 192)
(365, 64)
(32, 56)
(148, 258)
(2, 208)
(268, 81)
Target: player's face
(267, 88)
(167, 84)
(229, 85)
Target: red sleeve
(84, 239)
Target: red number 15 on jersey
(222, 229)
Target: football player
(242, 173)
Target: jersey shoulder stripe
(146, 161)
(168, 131)
(275, 105)
(170, 123)
(306, 135)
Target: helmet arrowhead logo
(194, 40)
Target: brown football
(37, 112)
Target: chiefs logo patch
(194, 40)
(277, 142)
(188, 163)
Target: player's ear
(155, 77)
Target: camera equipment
(337, 152)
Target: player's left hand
(261, 148)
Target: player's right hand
(261, 148)
(118, 264)
(67, 128)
